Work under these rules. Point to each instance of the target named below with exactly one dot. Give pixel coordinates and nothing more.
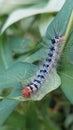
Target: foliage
(21, 53)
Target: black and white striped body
(46, 67)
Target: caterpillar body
(45, 69)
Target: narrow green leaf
(6, 107)
(6, 58)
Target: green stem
(70, 24)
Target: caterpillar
(45, 69)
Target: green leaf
(29, 118)
(37, 56)
(43, 23)
(5, 55)
(67, 81)
(60, 24)
(12, 47)
(70, 56)
(67, 70)
(69, 49)
(6, 6)
(51, 85)
(6, 107)
(21, 72)
(16, 73)
(25, 24)
(19, 45)
(52, 82)
(33, 10)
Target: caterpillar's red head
(26, 92)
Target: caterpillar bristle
(50, 62)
